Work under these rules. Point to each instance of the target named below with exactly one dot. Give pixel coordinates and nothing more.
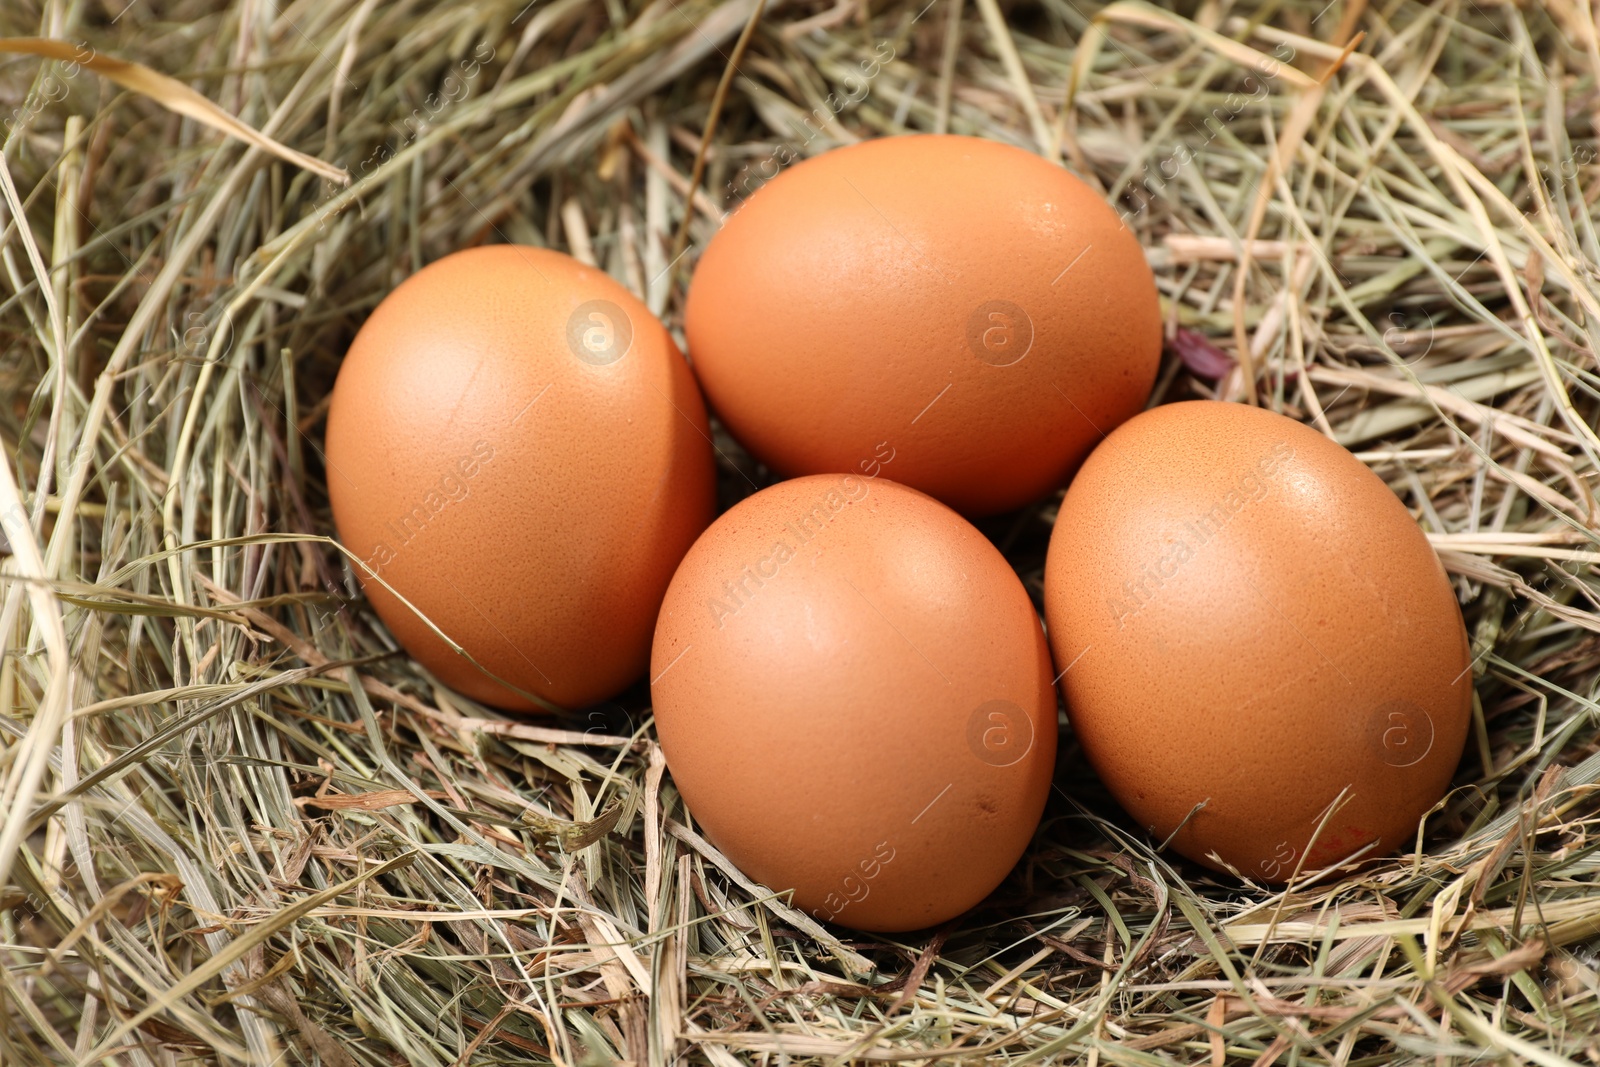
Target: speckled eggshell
(1249, 620)
(517, 447)
(852, 690)
(958, 315)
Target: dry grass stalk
(238, 827)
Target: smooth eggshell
(852, 690)
(518, 448)
(955, 314)
(1248, 618)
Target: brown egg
(1254, 632)
(955, 314)
(518, 449)
(853, 693)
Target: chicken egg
(1263, 658)
(853, 694)
(517, 450)
(958, 315)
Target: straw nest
(240, 826)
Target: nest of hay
(240, 826)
